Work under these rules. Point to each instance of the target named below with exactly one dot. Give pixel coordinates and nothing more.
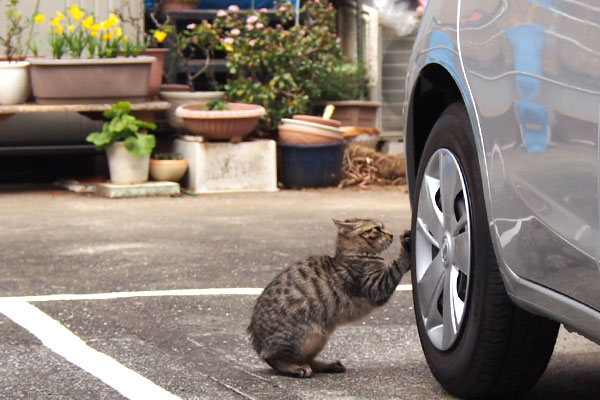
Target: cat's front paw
(405, 241)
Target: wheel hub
(443, 248)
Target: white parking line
(64, 343)
(155, 293)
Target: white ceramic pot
(15, 82)
(180, 98)
(124, 167)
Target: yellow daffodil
(112, 21)
(71, 28)
(60, 16)
(118, 32)
(58, 30)
(76, 13)
(55, 22)
(124, 39)
(88, 22)
(39, 18)
(160, 36)
(94, 34)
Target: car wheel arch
(434, 90)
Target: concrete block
(138, 190)
(227, 167)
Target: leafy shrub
(282, 67)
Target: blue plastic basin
(303, 166)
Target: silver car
(502, 144)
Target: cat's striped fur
(299, 309)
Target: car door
(533, 67)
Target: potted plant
(179, 5)
(195, 41)
(220, 120)
(145, 43)
(167, 166)
(347, 90)
(85, 64)
(128, 145)
(14, 70)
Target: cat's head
(362, 236)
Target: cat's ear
(345, 228)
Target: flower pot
(124, 167)
(232, 124)
(156, 70)
(100, 80)
(179, 5)
(353, 112)
(303, 166)
(295, 131)
(177, 98)
(15, 82)
(168, 170)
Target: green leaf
(140, 144)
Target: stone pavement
(123, 290)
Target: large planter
(353, 112)
(168, 170)
(156, 71)
(124, 167)
(302, 166)
(177, 98)
(14, 78)
(100, 80)
(232, 124)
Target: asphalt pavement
(149, 298)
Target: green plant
(124, 127)
(346, 81)
(167, 156)
(281, 68)
(11, 37)
(215, 105)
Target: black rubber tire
(501, 349)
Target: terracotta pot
(100, 80)
(179, 5)
(124, 167)
(318, 120)
(177, 98)
(168, 170)
(156, 70)
(232, 124)
(15, 82)
(293, 131)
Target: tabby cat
(299, 309)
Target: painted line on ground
(154, 293)
(66, 344)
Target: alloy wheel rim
(443, 249)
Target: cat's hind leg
(321, 366)
(290, 368)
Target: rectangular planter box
(353, 112)
(227, 167)
(104, 80)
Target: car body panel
(528, 73)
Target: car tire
(476, 341)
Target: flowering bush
(280, 67)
